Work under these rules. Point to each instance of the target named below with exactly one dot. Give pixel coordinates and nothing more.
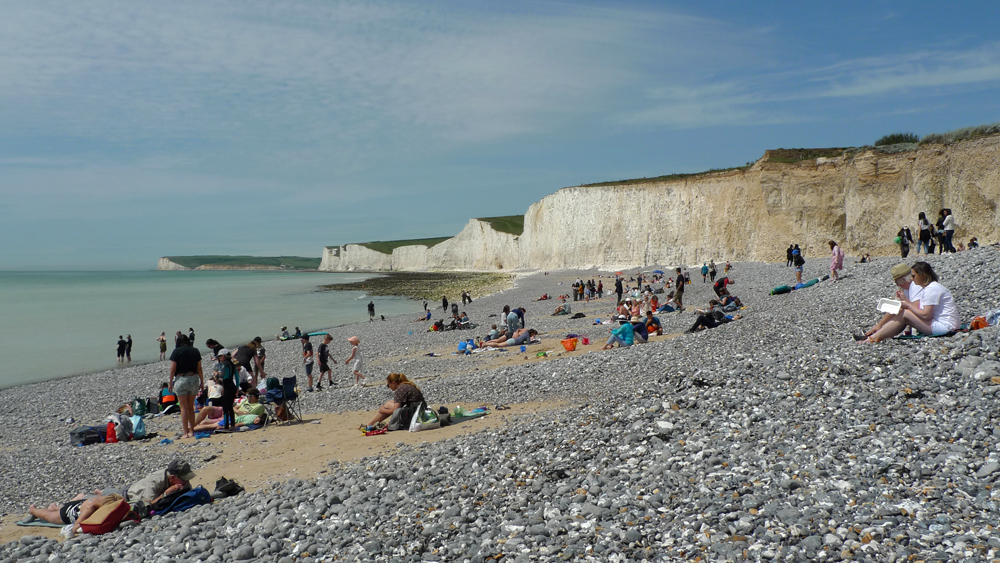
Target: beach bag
(152, 406)
(105, 518)
(123, 427)
(138, 407)
(424, 419)
(978, 323)
(402, 416)
(138, 427)
(799, 260)
(781, 289)
(85, 435)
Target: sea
(58, 324)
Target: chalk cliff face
(166, 264)
(859, 200)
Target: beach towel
(36, 522)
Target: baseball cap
(181, 469)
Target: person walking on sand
(121, 349)
(618, 288)
(679, 290)
(128, 348)
(358, 360)
(788, 255)
(371, 312)
(836, 260)
(162, 339)
(704, 272)
(924, 236)
(308, 359)
(711, 270)
(444, 303)
(324, 362)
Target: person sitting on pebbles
(711, 317)
(520, 337)
(403, 392)
(926, 305)
(624, 336)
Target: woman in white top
(924, 240)
(949, 230)
(935, 313)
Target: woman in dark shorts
(403, 391)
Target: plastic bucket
(569, 344)
(584, 340)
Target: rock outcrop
(165, 264)
(860, 200)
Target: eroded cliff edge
(860, 199)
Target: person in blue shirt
(623, 336)
(653, 325)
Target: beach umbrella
(657, 271)
(618, 273)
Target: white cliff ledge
(859, 200)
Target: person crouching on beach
(355, 356)
(403, 392)
(186, 380)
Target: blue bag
(190, 499)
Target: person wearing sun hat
(640, 334)
(359, 362)
(900, 274)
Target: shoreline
(428, 285)
(744, 407)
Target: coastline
(781, 400)
(429, 285)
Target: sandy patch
(302, 450)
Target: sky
(134, 130)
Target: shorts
(309, 368)
(323, 367)
(187, 384)
(798, 268)
(510, 342)
(938, 328)
(70, 511)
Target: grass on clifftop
(667, 178)
(387, 246)
(511, 224)
(429, 285)
(290, 262)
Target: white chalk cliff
(859, 200)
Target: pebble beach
(776, 437)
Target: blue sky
(132, 130)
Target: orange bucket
(569, 344)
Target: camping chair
(291, 398)
(278, 395)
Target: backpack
(123, 427)
(186, 500)
(106, 518)
(798, 260)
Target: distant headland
(237, 263)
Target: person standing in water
(162, 340)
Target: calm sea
(56, 324)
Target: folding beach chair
(281, 395)
(291, 398)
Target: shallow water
(56, 324)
